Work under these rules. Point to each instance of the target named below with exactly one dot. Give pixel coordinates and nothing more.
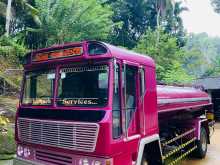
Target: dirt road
(6, 162)
(213, 154)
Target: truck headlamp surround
(84, 161)
(27, 152)
(20, 150)
(96, 162)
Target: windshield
(83, 86)
(38, 88)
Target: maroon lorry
(91, 103)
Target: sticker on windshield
(41, 101)
(80, 101)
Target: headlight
(96, 162)
(20, 150)
(27, 152)
(84, 161)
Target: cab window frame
(120, 106)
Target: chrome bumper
(20, 161)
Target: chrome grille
(70, 135)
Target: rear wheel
(201, 150)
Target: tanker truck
(92, 103)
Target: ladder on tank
(177, 148)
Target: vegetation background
(151, 27)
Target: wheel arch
(203, 123)
(151, 147)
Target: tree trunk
(8, 17)
(158, 26)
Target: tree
(212, 70)
(193, 62)
(70, 20)
(162, 6)
(202, 52)
(173, 23)
(20, 15)
(10, 51)
(177, 74)
(216, 5)
(166, 53)
(8, 17)
(132, 18)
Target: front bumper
(50, 157)
(20, 161)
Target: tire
(201, 150)
(144, 160)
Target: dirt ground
(213, 154)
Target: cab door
(131, 101)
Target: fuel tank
(174, 98)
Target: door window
(130, 92)
(142, 82)
(116, 107)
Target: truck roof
(124, 54)
(111, 52)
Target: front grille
(70, 135)
(53, 158)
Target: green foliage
(177, 74)
(166, 53)
(10, 49)
(173, 23)
(11, 54)
(7, 142)
(202, 54)
(70, 20)
(3, 121)
(132, 18)
(137, 16)
(193, 62)
(213, 70)
(2, 30)
(41, 23)
(23, 15)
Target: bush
(3, 122)
(11, 54)
(7, 142)
(11, 50)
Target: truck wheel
(201, 150)
(144, 160)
